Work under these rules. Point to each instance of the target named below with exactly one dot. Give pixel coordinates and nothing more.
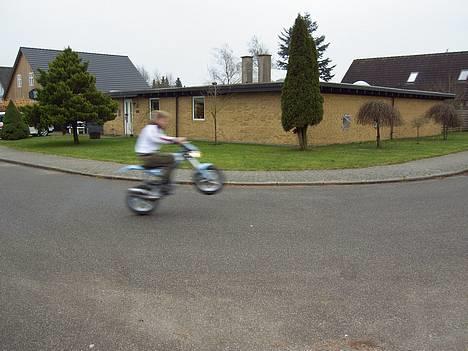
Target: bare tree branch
(144, 73)
(226, 69)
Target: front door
(128, 116)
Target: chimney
(247, 69)
(264, 68)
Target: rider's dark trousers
(160, 160)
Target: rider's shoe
(168, 189)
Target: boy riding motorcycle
(149, 143)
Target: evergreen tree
(326, 71)
(301, 102)
(178, 83)
(68, 93)
(154, 84)
(14, 127)
(34, 116)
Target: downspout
(177, 116)
(392, 124)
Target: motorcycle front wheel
(140, 205)
(209, 181)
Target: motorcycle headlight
(195, 154)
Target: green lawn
(258, 157)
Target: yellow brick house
(251, 112)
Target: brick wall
(256, 118)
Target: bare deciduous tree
(378, 114)
(418, 123)
(163, 81)
(144, 73)
(226, 69)
(217, 101)
(394, 122)
(444, 114)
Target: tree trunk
(445, 131)
(216, 130)
(302, 137)
(378, 134)
(215, 125)
(75, 133)
(391, 129)
(417, 135)
(392, 121)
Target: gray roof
(325, 88)
(112, 72)
(5, 74)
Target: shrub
(14, 127)
(378, 114)
(418, 123)
(445, 115)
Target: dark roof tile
(112, 72)
(437, 72)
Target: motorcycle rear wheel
(139, 205)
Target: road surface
(375, 267)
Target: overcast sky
(178, 37)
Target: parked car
(42, 132)
(2, 114)
(81, 128)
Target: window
(198, 108)
(412, 77)
(154, 105)
(19, 81)
(463, 74)
(1, 91)
(346, 122)
(31, 79)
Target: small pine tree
(154, 84)
(68, 93)
(301, 102)
(178, 83)
(34, 116)
(14, 127)
(325, 68)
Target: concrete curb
(234, 183)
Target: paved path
(415, 170)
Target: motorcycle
(144, 198)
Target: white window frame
(151, 99)
(31, 79)
(412, 77)
(193, 108)
(463, 75)
(19, 81)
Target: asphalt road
(377, 267)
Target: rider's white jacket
(151, 138)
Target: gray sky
(178, 36)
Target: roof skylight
(412, 77)
(463, 74)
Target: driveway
(368, 267)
